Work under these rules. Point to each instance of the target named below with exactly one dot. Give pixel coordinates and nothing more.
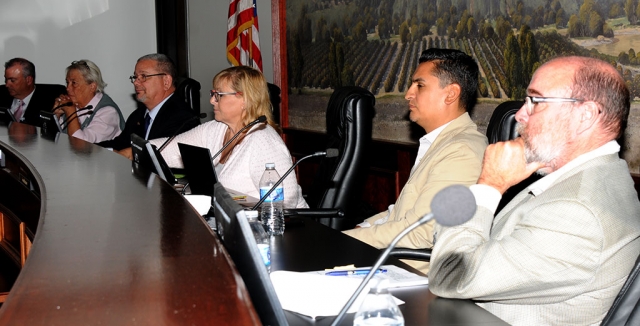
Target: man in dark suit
(163, 114)
(21, 94)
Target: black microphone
(166, 142)
(331, 152)
(451, 206)
(65, 121)
(61, 105)
(260, 119)
(76, 117)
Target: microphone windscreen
(453, 205)
(262, 118)
(332, 152)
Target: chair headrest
(342, 106)
(502, 125)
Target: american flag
(243, 43)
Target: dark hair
(164, 63)
(598, 81)
(28, 69)
(455, 67)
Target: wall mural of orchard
(375, 44)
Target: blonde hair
(251, 83)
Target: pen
(353, 272)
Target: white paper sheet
(316, 295)
(201, 203)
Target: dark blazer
(169, 121)
(42, 99)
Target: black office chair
(502, 127)
(339, 182)
(274, 96)
(625, 309)
(189, 90)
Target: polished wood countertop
(113, 247)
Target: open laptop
(50, 124)
(147, 155)
(235, 233)
(199, 169)
(6, 116)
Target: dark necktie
(147, 122)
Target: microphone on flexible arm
(61, 105)
(78, 116)
(260, 119)
(331, 152)
(166, 142)
(451, 206)
(74, 114)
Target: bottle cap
(251, 215)
(270, 165)
(382, 287)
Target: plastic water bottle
(379, 308)
(261, 236)
(271, 212)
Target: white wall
(208, 39)
(52, 33)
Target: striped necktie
(18, 113)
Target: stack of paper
(314, 294)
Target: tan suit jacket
(455, 157)
(559, 258)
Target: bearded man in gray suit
(560, 251)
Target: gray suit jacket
(556, 259)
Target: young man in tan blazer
(443, 90)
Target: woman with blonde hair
(239, 96)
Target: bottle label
(265, 252)
(276, 195)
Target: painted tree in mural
(514, 68)
(630, 7)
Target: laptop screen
(147, 155)
(6, 116)
(198, 168)
(50, 124)
(235, 233)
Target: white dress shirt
(25, 102)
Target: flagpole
(251, 43)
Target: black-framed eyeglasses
(143, 78)
(531, 101)
(217, 94)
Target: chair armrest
(413, 254)
(314, 212)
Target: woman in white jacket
(239, 96)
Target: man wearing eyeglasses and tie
(163, 114)
(560, 251)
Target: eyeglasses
(531, 101)
(80, 63)
(142, 78)
(218, 95)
